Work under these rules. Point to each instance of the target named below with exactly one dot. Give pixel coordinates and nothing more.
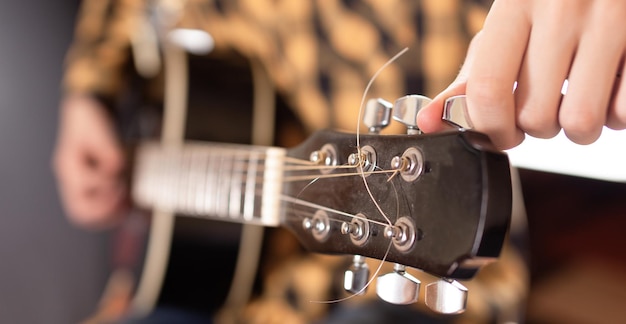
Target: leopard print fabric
(319, 54)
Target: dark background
(50, 270)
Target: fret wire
(190, 182)
(234, 198)
(202, 161)
(211, 183)
(251, 183)
(223, 185)
(171, 187)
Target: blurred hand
(89, 164)
(539, 44)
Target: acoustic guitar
(437, 202)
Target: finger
(585, 105)
(494, 71)
(95, 203)
(104, 148)
(429, 118)
(616, 118)
(538, 93)
(90, 197)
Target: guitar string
(364, 178)
(242, 170)
(187, 170)
(367, 187)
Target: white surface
(605, 159)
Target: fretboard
(220, 181)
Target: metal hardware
(410, 164)
(446, 297)
(377, 115)
(319, 225)
(358, 229)
(356, 277)
(405, 110)
(398, 287)
(367, 159)
(402, 234)
(327, 156)
(455, 112)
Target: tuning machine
(398, 287)
(377, 115)
(356, 277)
(326, 156)
(405, 111)
(446, 296)
(455, 112)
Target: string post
(364, 158)
(411, 164)
(358, 229)
(402, 234)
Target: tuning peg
(355, 278)
(455, 112)
(398, 287)
(377, 114)
(405, 110)
(446, 296)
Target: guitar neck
(227, 182)
(444, 210)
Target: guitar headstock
(439, 202)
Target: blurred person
(319, 56)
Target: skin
(89, 164)
(539, 44)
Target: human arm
(88, 160)
(539, 44)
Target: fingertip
(510, 140)
(429, 118)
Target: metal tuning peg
(405, 110)
(398, 287)
(377, 115)
(455, 112)
(446, 296)
(356, 277)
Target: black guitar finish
(460, 205)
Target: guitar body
(203, 252)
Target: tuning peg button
(398, 287)
(356, 277)
(446, 296)
(377, 114)
(405, 110)
(455, 112)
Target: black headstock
(451, 206)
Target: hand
(540, 44)
(89, 164)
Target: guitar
(436, 202)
